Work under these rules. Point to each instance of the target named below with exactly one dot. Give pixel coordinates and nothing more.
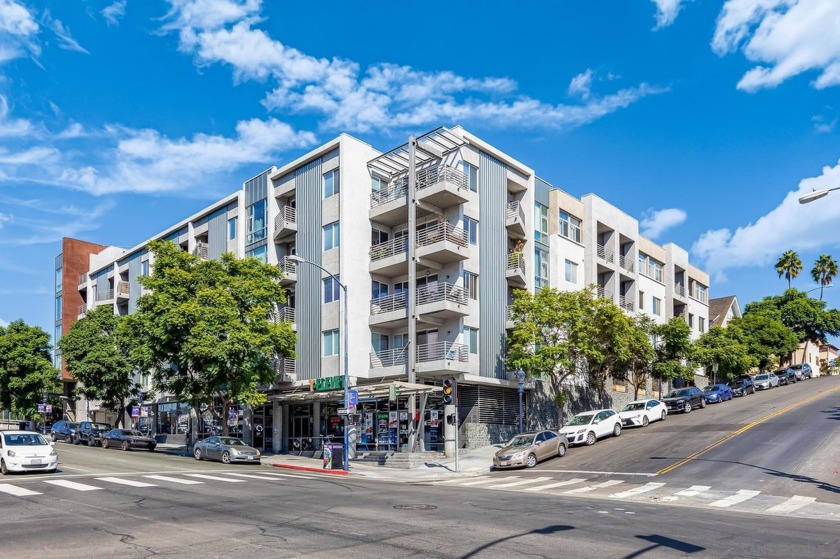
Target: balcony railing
(432, 175)
(442, 291)
(122, 288)
(626, 262)
(605, 254)
(604, 293)
(388, 303)
(516, 261)
(286, 217)
(388, 358)
(514, 211)
(106, 295)
(83, 308)
(287, 267)
(625, 303)
(442, 350)
(286, 314)
(442, 232)
(284, 366)
(201, 250)
(82, 280)
(394, 192)
(389, 248)
(679, 290)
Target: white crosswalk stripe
(18, 491)
(693, 491)
(519, 483)
(216, 478)
(175, 480)
(636, 490)
(256, 476)
(128, 482)
(793, 504)
(589, 488)
(739, 497)
(548, 486)
(72, 485)
(482, 481)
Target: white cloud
(667, 11)
(3, 323)
(62, 33)
(17, 31)
(654, 223)
(4, 218)
(114, 12)
(790, 225)
(383, 96)
(43, 230)
(581, 85)
(784, 38)
(822, 125)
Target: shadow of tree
(834, 413)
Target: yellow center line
(743, 429)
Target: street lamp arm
(816, 194)
(298, 260)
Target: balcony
(626, 303)
(396, 357)
(107, 295)
(442, 300)
(83, 279)
(390, 258)
(289, 270)
(442, 186)
(606, 254)
(285, 369)
(285, 224)
(122, 289)
(389, 310)
(83, 309)
(442, 243)
(202, 250)
(287, 314)
(626, 263)
(442, 358)
(679, 290)
(604, 293)
(515, 220)
(515, 271)
(389, 206)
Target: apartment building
(430, 240)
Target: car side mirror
(52, 443)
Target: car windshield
(684, 393)
(521, 440)
(72, 425)
(100, 426)
(230, 441)
(762, 377)
(131, 433)
(582, 419)
(712, 388)
(634, 406)
(24, 439)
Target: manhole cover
(415, 507)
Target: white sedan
(642, 412)
(26, 451)
(588, 427)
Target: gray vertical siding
(102, 285)
(541, 191)
(133, 283)
(492, 240)
(308, 290)
(217, 234)
(256, 188)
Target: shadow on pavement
(547, 531)
(662, 541)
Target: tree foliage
(721, 350)
(204, 328)
(26, 370)
(96, 350)
(824, 271)
(673, 350)
(642, 354)
(768, 341)
(789, 265)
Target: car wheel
(702, 402)
(3, 469)
(104, 443)
(198, 455)
(617, 430)
(77, 440)
(645, 421)
(530, 462)
(125, 446)
(226, 457)
(561, 450)
(52, 436)
(152, 447)
(664, 415)
(91, 441)
(687, 408)
(591, 438)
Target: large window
(332, 291)
(260, 253)
(471, 339)
(330, 343)
(58, 273)
(232, 228)
(651, 267)
(144, 267)
(378, 237)
(256, 222)
(471, 227)
(541, 223)
(571, 271)
(331, 184)
(569, 227)
(700, 292)
(331, 235)
(471, 171)
(471, 285)
(541, 265)
(378, 289)
(378, 342)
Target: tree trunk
(121, 415)
(225, 411)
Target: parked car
(529, 448)
(802, 371)
(786, 376)
(90, 432)
(766, 381)
(685, 399)
(588, 427)
(126, 439)
(716, 393)
(742, 387)
(226, 449)
(642, 412)
(63, 430)
(24, 451)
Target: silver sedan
(226, 449)
(766, 381)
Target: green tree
(672, 342)
(97, 355)
(789, 265)
(720, 350)
(204, 329)
(608, 351)
(642, 354)
(26, 370)
(768, 341)
(824, 271)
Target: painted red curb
(310, 469)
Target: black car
(90, 432)
(126, 439)
(801, 371)
(684, 399)
(786, 376)
(742, 387)
(63, 430)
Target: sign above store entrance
(328, 383)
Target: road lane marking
(739, 497)
(744, 429)
(597, 473)
(548, 486)
(176, 480)
(17, 491)
(518, 483)
(693, 491)
(292, 475)
(793, 504)
(129, 482)
(485, 480)
(256, 476)
(216, 478)
(636, 490)
(589, 488)
(71, 485)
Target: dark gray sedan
(127, 439)
(226, 449)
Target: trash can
(333, 456)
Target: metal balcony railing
(444, 231)
(625, 303)
(389, 248)
(122, 288)
(106, 295)
(604, 293)
(286, 217)
(82, 280)
(679, 290)
(388, 358)
(83, 308)
(441, 291)
(516, 261)
(432, 175)
(201, 250)
(626, 262)
(605, 254)
(394, 192)
(287, 267)
(388, 303)
(284, 366)
(514, 211)
(286, 314)
(443, 350)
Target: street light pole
(520, 377)
(299, 260)
(816, 194)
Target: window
(331, 235)
(541, 264)
(571, 271)
(256, 222)
(643, 264)
(569, 227)
(471, 227)
(58, 274)
(400, 341)
(58, 308)
(651, 268)
(378, 342)
(471, 171)
(700, 292)
(641, 300)
(330, 343)
(260, 253)
(471, 339)
(541, 223)
(332, 291)
(690, 320)
(378, 289)
(657, 306)
(657, 270)
(330, 184)
(377, 186)
(378, 237)
(701, 323)
(232, 228)
(471, 285)
(144, 267)
(57, 336)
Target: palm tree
(789, 265)
(824, 271)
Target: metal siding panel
(308, 290)
(217, 235)
(256, 188)
(492, 239)
(102, 285)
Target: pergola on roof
(395, 162)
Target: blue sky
(705, 119)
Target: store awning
(365, 391)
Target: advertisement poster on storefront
(367, 428)
(433, 418)
(393, 426)
(135, 411)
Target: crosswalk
(746, 500)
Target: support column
(276, 426)
(316, 425)
(412, 289)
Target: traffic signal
(450, 419)
(448, 391)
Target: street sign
(135, 411)
(42, 408)
(353, 397)
(343, 411)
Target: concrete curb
(310, 469)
